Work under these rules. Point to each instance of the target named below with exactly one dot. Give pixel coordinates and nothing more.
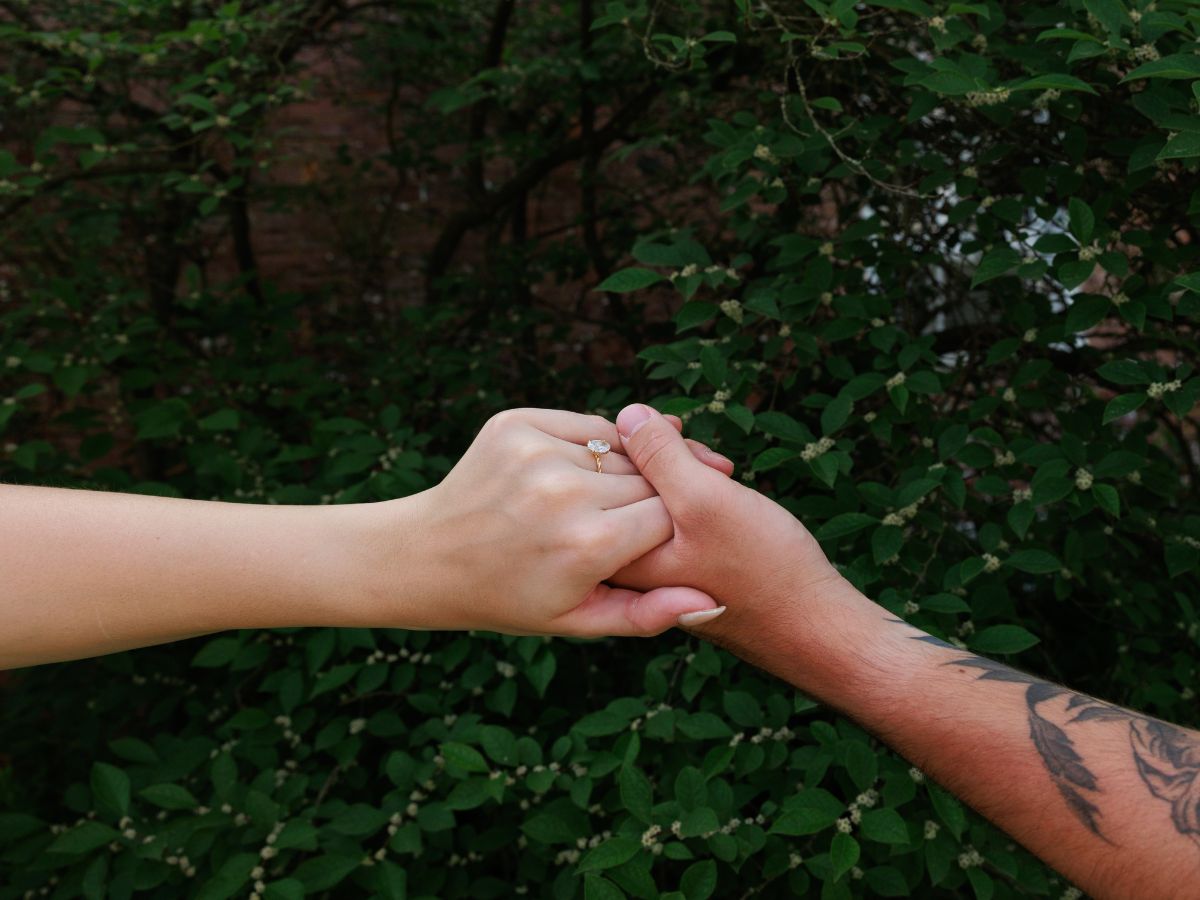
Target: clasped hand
(525, 537)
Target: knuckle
(546, 485)
(587, 541)
(653, 450)
(504, 421)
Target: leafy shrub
(929, 276)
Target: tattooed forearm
(1167, 758)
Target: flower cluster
(1160, 388)
(990, 97)
(733, 309)
(820, 448)
(970, 858)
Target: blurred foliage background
(926, 271)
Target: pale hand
(521, 535)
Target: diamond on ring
(598, 448)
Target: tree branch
(464, 220)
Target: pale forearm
(1105, 795)
(87, 572)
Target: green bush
(928, 278)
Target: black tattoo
(1167, 757)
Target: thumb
(661, 454)
(619, 612)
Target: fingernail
(631, 419)
(698, 618)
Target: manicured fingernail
(631, 419)
(698, 618)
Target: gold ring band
(598, 448)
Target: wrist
(384, 573)
(822, 635)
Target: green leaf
(324, 872)
(221, 420)
(887, 881)
(499, 744)
(134, 750)
(392, 882)
(636, 792)
(464, 757)
(772, 457)
(1107, 499)
(699, 880)
(740, 416)
(359, 820)
(1175, 66)
(995, 263)
(1083, 221)
(742, 708)
(1110, 13)
(597, 888)
(886, 542)
(626, 280)
(217, 653)
(1020, 517)
(163, 420)
(809, 811)
(884, 826)
(843, 854)
(835, 414)
(1124, 372)
(862, 763)
(1086, 312)
(1035, 562)
(694, 313)
(949, 810)
(804, 820)
(229, 878)
(293, 889)
(714, 366)
(1002, 639)
(613, 852)
(690, 789)
(83, 839)
(169, 796)
(1122, 405)
(1056, 81)
(110, 787)
(1184, 145)
(783, 426)
(845, 524)
(541, 671)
